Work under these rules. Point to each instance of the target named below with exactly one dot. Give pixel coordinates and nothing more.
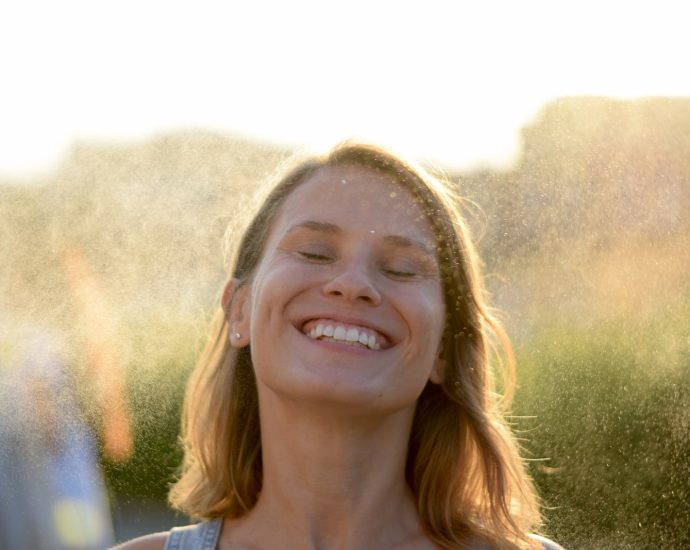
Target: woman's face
(346, 305)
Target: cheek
(273, 288)
(428, 313)
(433, 337)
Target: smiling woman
(346, 397)
(349, 266)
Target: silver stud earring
(237, 336)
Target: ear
(438, 372)
(235, 303)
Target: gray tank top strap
(548, 544)
(201, 536)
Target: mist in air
(112, 266)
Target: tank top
(200, 536)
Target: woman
(345, 399)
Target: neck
(333, 480)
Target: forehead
(357, 197)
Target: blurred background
(130, 134)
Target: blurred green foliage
(607, 429)
(156, 394)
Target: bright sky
(449, 81)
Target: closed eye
(314, 257)
(400, 274)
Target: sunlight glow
(453, 84)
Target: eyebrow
(406, 242)
(322, 227)
(332, 229)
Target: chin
(347, 394)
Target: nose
(353, 283)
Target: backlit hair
(463, 465)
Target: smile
(333, 331)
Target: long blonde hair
(463, 465)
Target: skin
(350, 247)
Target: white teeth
(351, 335)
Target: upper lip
(346, 320)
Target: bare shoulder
(149, 542)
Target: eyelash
(314, 257)
(400, 274)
